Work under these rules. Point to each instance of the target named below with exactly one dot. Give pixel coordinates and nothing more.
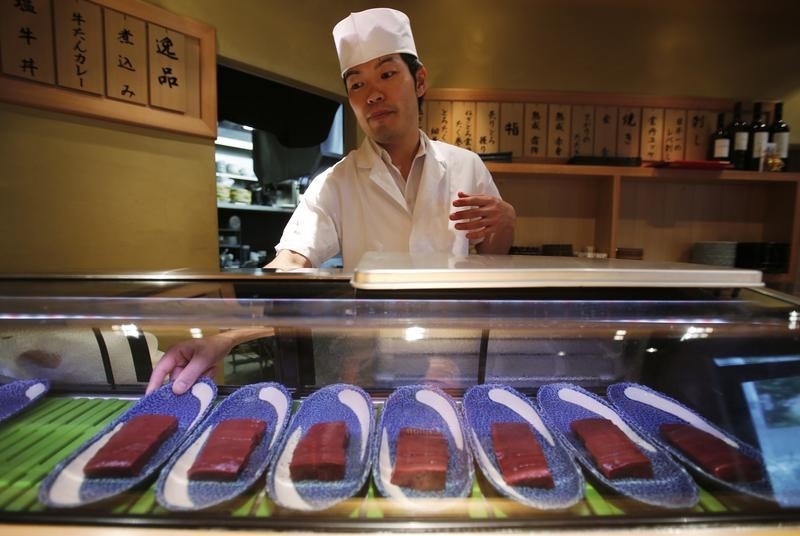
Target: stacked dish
(241, 195)
(714, 253)
(557, 250)
(635, 254)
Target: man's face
(383, 96)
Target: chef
(400, 191)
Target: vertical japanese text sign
(78, 29)
(167, 56)
(126, 57)
(26, 40)
(439, 113)
(536, 130)
(512, 118)
(464, 124)
(558, 135)
(486, 125)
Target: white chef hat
(370, 34)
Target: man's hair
(413, 64)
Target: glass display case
(722, 358)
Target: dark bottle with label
(779, 135)
(759, 136)
(740, 134)
(720, 145)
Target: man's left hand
(484, 216)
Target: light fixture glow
(130, 330)
(414, 333)
(693, 332)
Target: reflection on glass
(774, 406)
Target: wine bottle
(720, 146)
(759, 136)
(740, 132)
(779, 134)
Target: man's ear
(422, 85)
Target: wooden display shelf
(664, 211)
(532, 168)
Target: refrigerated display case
(723, 350)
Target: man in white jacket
(400, 191)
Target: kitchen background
(83, 195)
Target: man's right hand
(287, 260)
(186, 361)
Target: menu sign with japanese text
(536, 130)
(652, 133)
(115, 59)
(512, 116)
(167, 59)
(582, 130)
(464, 125)
(552, 127)
(629, 127)
(674, 134)
(558, 134)
(699, 126)
(438, 113)
(126, 57)
(26, 40)
(78, 26)
(486, 127)
(605, 131)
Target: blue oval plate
(339, 402)
(66, 486)
(20, 394)
(487, 404)
(429, 408)
(647, 410)
(670, 487)
(269, 402)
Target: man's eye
(388, 74)
(356, 85)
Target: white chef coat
(356, 206)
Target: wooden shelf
(255, 208)
(664, 211)
(532, 168)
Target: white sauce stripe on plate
(447, 412)
(285, 492)
(176, 486)
(35, 390)
(386, 469)
(512, 402)
(66, 489)
(587, 402)
(279, 402)
(203, 393)
(645, 397)
(355, 401)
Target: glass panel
(731, 357)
